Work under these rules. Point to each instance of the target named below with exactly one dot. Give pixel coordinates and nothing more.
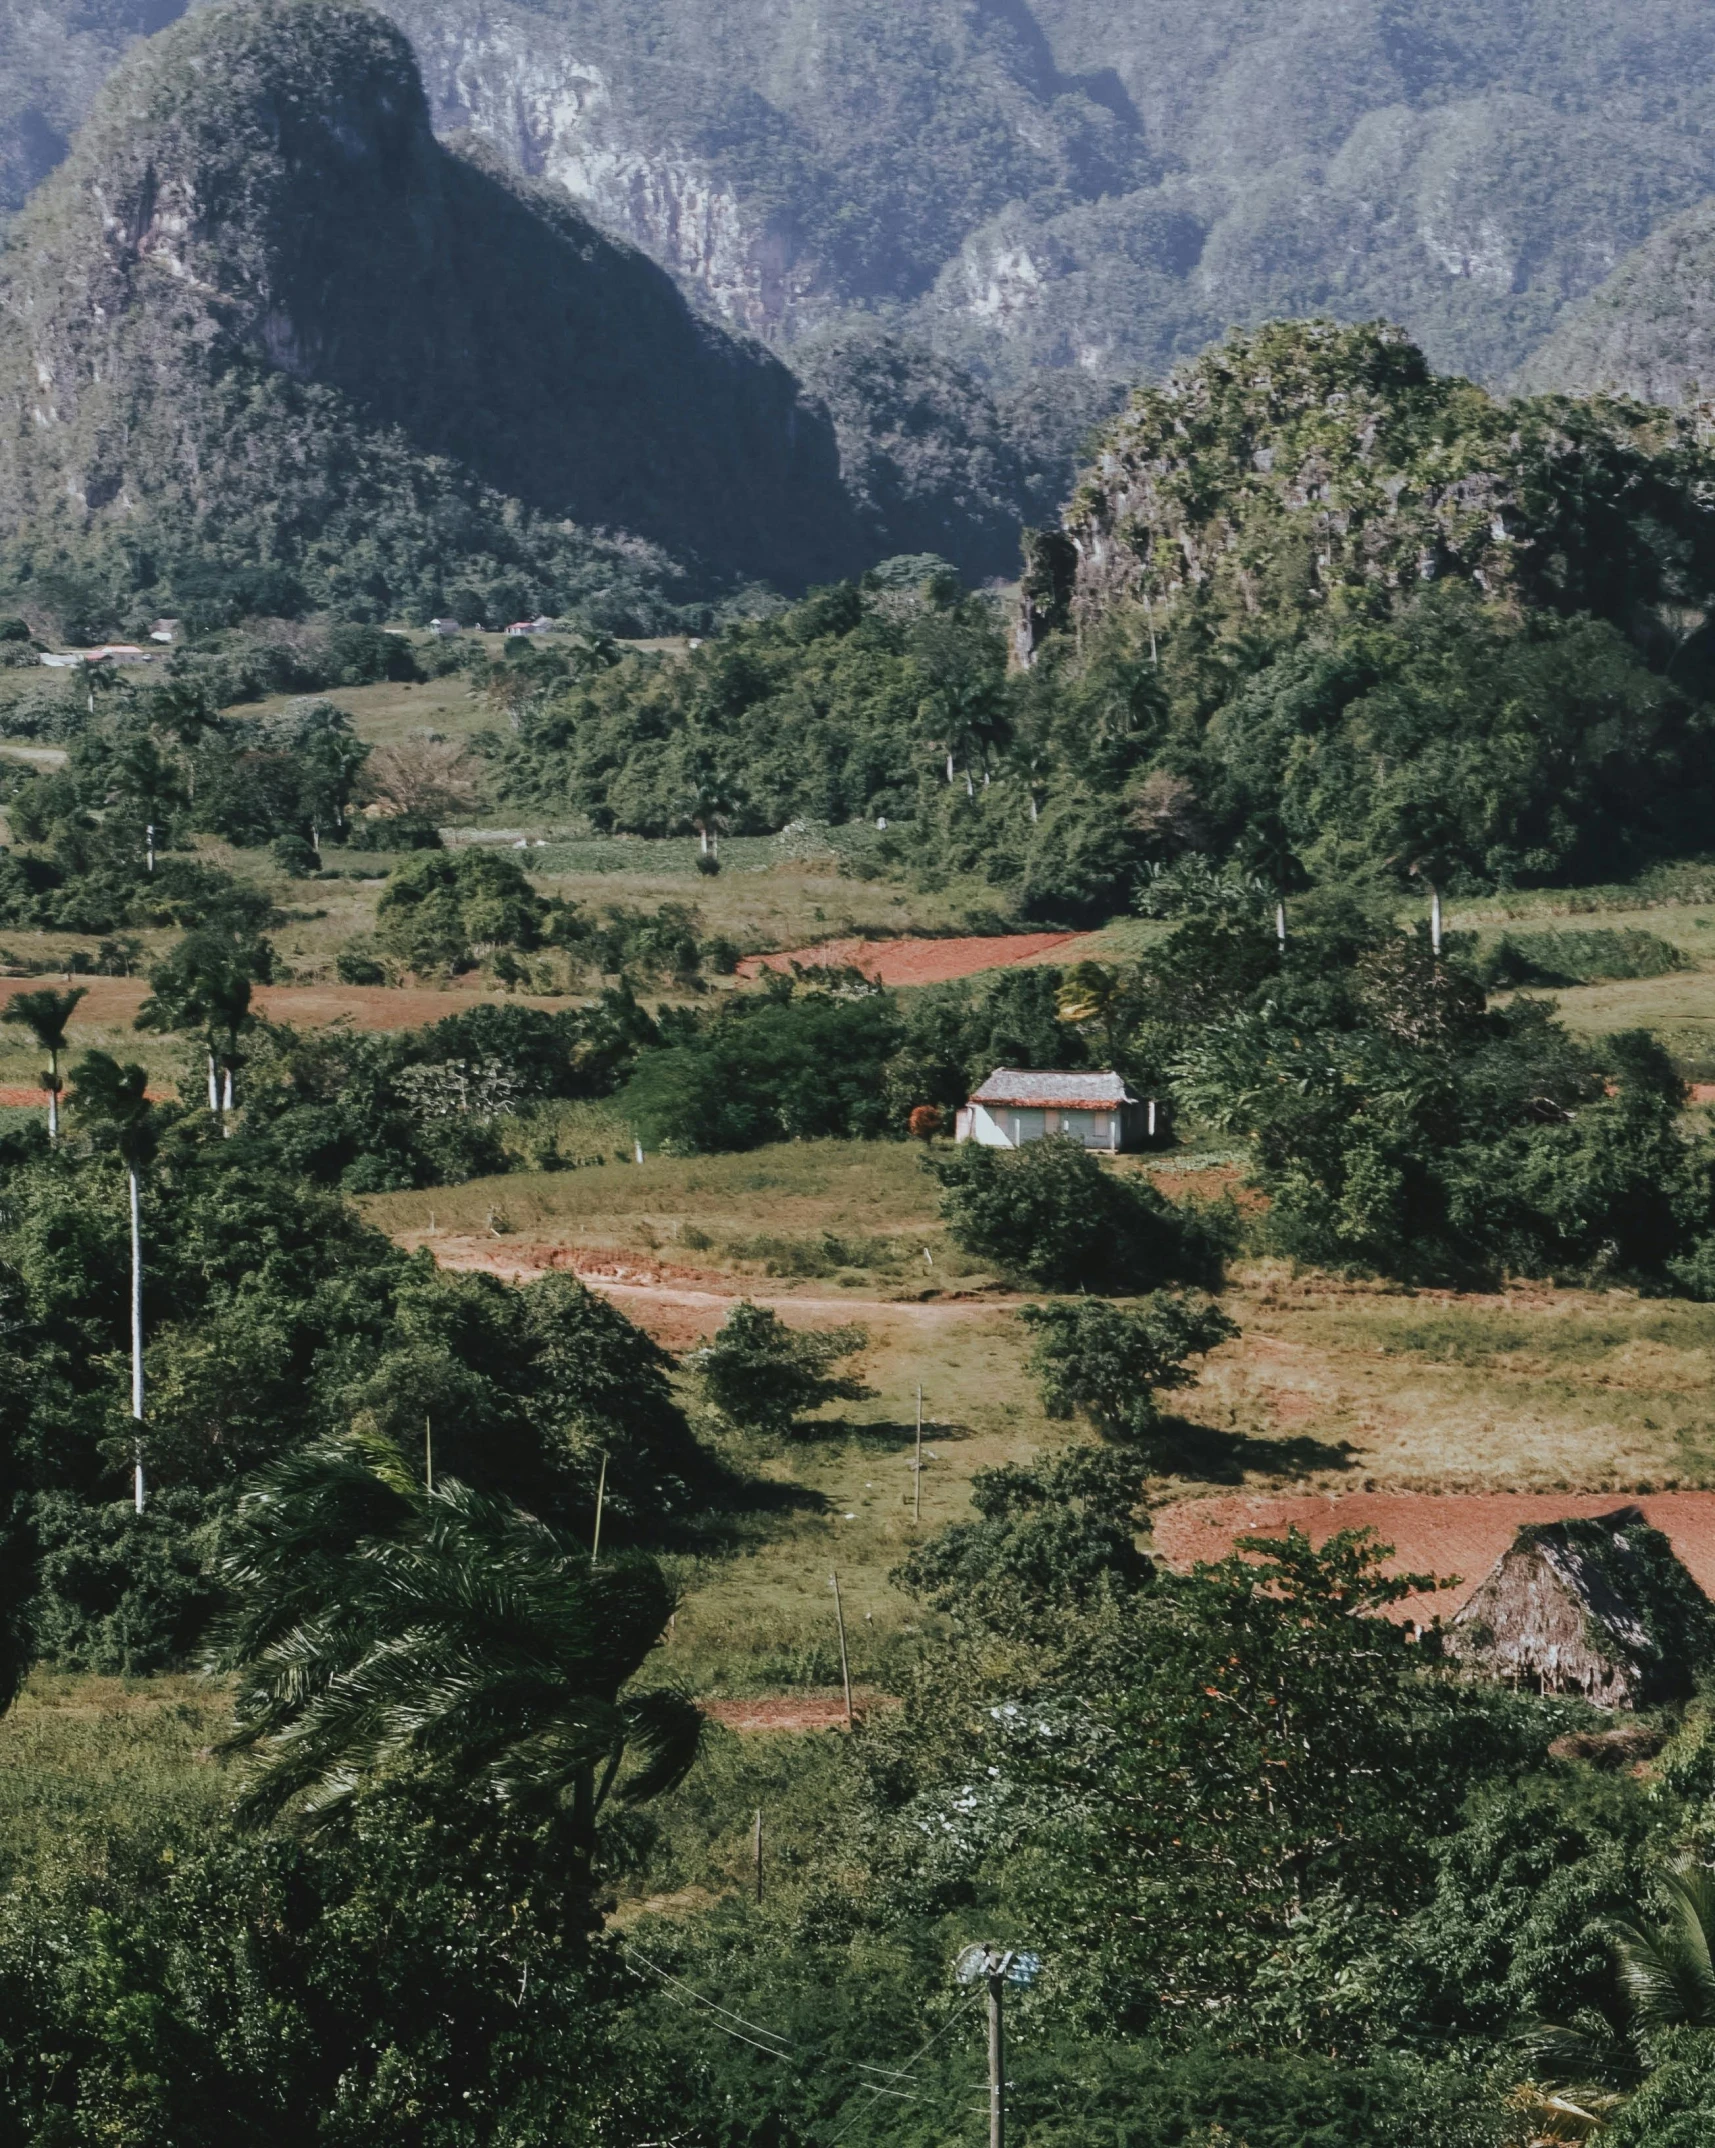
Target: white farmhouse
(1013, 1107)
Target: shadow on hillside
(1212, 1457)
(879, 1433)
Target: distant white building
(445, 628)
(1013, 1107)
(111, 652)
(539, 625)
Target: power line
(780, 2048)
(923, 2051)
(667, 1977)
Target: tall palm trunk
(137, 1331)
(53, 1094)
(213, 1084)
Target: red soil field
(1440, 1533)
(117, 999)
(918, 962)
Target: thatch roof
(1602, 1608)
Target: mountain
(933, 459)
(261, 315)
(1305, 473)
(1054, 182)
(1079, 183)
(1649, 331)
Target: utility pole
(917, 1479)
(600, 1501)
(997, 1968)
(428, 1456)
(137, 1491)
(845, 1663)
(757, 1846)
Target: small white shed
(1014, 1106)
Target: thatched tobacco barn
(1601, 1608)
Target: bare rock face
(532, 90)
(1649, 331)
(259, 197)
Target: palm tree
(379, 1623)
(708, 806)
(147, 784)
(205, 984)
(1665, 1969)
(1095, 995)
(116, 1097)
(45, 1015)
(1667, 1975)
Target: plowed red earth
(1445, 1534)
(917, 962)
(117, 999)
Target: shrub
(122, 1593)
(795, 1068)
(1051, 1213)
(1095, 1359)
(359, 962)
(1575, 958)
(294, 854)
(439, 909)
(762, 1376)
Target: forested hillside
(262, 319)
(1069, 183)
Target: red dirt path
(918, 962)
(782, 1712)
(1446, 1534)
(117, 999)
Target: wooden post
(845, 1661)
(137, 1490)
(758, 1853)
(600, 1501)
(997, 2060)
(917, 1480)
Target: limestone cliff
(1305, 468)
(1650, 330)
(259, 268)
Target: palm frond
(665, 1731)
(377, 1626)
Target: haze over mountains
(1055, 182)
(964, 227)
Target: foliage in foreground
(1049, 1212)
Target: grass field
(98, 1771)
(1330, 1386)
